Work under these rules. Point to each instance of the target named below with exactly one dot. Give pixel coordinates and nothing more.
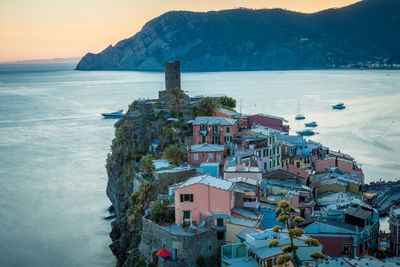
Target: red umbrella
(163, 253)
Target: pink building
(214, 130)
(198, 154)
(303, 201)
(269, 121)
(204, 196)
(296, 170)
(341, 164)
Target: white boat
(299, 116)
(113, 115)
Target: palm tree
(174, 154)
(147, 164)
(176, 97)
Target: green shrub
(227, 102)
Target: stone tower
(172, 75)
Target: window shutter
(182, 198)
(191, 197)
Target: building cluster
(247, 164)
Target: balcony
(251, 204)
(205, 132)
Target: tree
(160, 213)
(285, 215)
(174, 154)
(227, 102)
(176, 97)
(147, 164)
(206, 106)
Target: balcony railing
(251, 204)
(205, 132)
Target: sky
(43, 29)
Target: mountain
(245, 39)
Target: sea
(54, 143)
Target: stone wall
(170, 177)
(188, 247)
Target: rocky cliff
(244, 39)
(143, 124)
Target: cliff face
(259, 39)
(143, 124)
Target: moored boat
(300, 117)
(113, 115)
(306, 132)
(339, 106)
(311, 124)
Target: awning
(163, 253)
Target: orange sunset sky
(40, 29)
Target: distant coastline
(72, 60)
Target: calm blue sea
(53, 142)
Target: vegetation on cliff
(246, 39)
(130, 169)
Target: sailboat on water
(299, 116)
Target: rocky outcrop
(143, 124)
(244, 39)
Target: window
(186, 197)
(220, 222)
(195, 156)
(210, 156)
(186, 214)
(203, 139)
(298, 164)
(228, 129)
(220, 235)
(216, 140)
(203, 127)
(265, 165)
(264, 153)
(219, 158)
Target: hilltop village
(195, 183)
